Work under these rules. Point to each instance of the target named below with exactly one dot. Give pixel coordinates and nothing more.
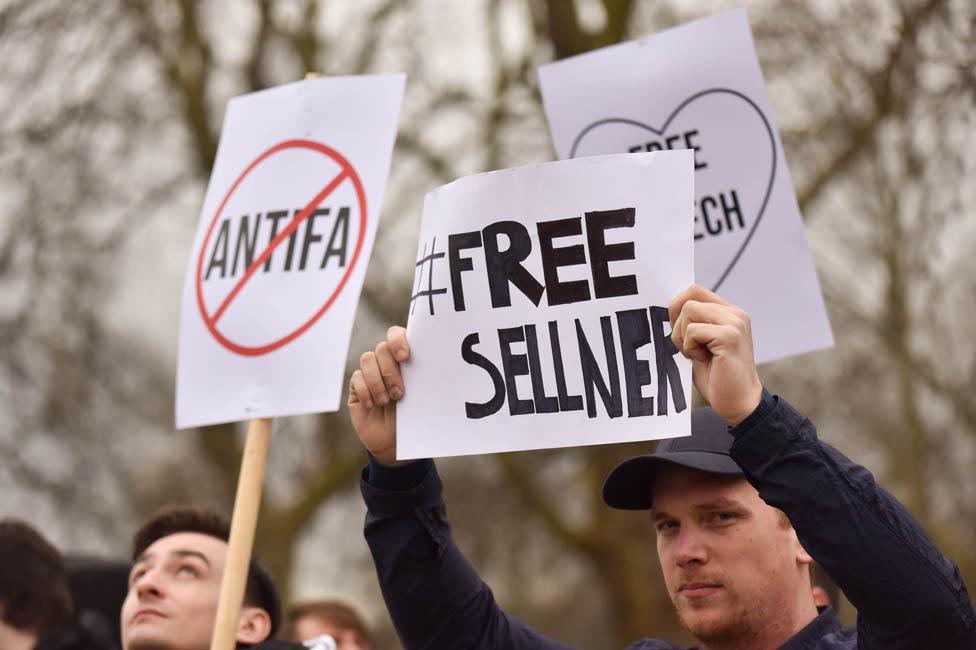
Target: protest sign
(539, 315)
(284, 237)
(699, 87)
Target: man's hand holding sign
(717, 336)
(374, 390)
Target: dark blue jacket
(907, 594)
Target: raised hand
(717, 336)
(374, 390)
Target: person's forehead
(212, 548)
(690, 487)
(313, 621)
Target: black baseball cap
(628, 486)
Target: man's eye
(667, 526)
(135, 575)
(188, 569)
(724, 517)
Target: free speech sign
(699, 87)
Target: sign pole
(243, 525)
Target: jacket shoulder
(657, 644)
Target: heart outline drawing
(664, 127)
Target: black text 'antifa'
(226, 261)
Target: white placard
(699, 86)
(285, 234)
(539, 313)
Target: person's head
(178, 560)
(34, 597)
(825, 590)
(311, 619)
(733, 565)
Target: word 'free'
(504, 267)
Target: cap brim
(628, 486)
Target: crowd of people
(170, 600)
(742, 509)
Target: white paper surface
(269, 338)
(699, 86)
(453, 301)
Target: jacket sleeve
(907, 594)
(435, 598)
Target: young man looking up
(741, 509)
(178, 561)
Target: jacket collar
(807, 638)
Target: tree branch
(886, 100)
(581, 540)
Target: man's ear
(802, 557)
(253, 626)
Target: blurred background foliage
(112, 112)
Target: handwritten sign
(284, 237)
(539, 313)
(699, 87)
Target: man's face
(12, 638)
(173, 591)
(310, 627)
(732, 563)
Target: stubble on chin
(719, 625)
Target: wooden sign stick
(242, 527)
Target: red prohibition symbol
(347, 172)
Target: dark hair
(34, 592)
(335, 612)
(260, 590)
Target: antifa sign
(539, 317)
(281, 249)
(281, 244)
(699, 87)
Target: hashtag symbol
(430, 291)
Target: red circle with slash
(347, 172)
